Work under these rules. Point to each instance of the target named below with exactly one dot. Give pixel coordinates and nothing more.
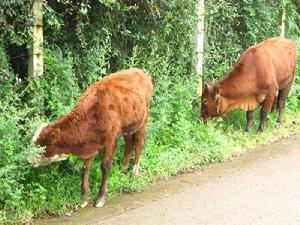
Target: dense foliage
(239, 24)
(87, 39)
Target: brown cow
(263, 75)
(117, 105)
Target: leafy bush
(14, 146)
(233, 26)
(55, 92)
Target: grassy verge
(240, 142)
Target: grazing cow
(117, 105)
(263, 75)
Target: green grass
(241, 141)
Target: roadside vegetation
(84, 41)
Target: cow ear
(208, 86)
(217, 91)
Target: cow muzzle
(37, 160)
(204, 118)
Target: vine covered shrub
(15, 146)
(232, 26)
(58, 88)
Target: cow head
(210, 102)
(46, 136)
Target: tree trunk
(36, 61)
(200, 45)
(282, 33)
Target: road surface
(262, 187)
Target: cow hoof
(124, 170)
(135, 170)
(100, 203)
(84, 204)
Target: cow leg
(105, 167)
(265, 109)
(275, 104)
(85, 183)
(283, 93)
(139, 145)
(128, 149)
(249, 120)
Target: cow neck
(227, 98)
(223, 107)
(232, 88)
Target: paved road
(261, 187)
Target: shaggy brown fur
(115, 106)
(262, 76)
